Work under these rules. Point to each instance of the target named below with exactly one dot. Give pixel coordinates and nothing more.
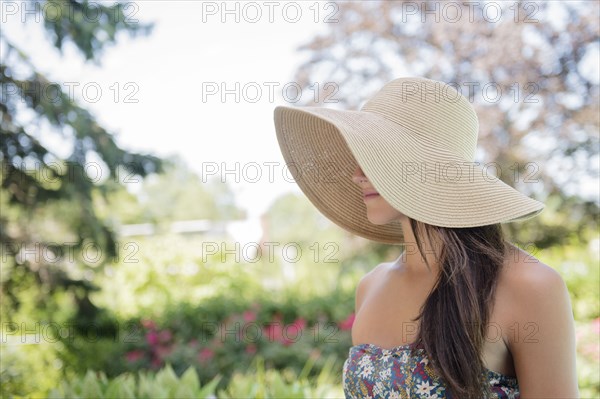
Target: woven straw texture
(415, 140)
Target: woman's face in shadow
(379, 211)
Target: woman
(461, 313)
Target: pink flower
(163, 351)
(251, 349)
(347, 324)
(134, 356)
(165, 336)
(205, 355)
(152, 338)
(274, 331)
(596, 325)
(249, 316)
(300, 323)
(149, 324)
(156, 362)
(293, 332)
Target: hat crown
(434, 111)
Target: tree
(293, 219)
(47, 213)
(176, 194)
(523, 65)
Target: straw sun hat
(415, 141)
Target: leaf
(184, 391)
(114, 389)
(121, 388)
(91, 387)
(190, 379)
(55, 394)
(145, 385)
(277, 388)
(310, 362)
(208, 390)
(244, 386)
(128, 386)
(161, 392)
(167, 379)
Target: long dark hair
(454, 318)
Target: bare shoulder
(540, 330)
(375, 273)
(532, 287)
(367, 281)
(527, 278)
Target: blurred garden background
(153, 244)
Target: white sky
(169, 68)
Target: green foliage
(223, 334)
(68, 20)
(270, 383)
(176, 194)
(292, 218)
(588, 358)
(48, 191)
(256, 382)
(164, 384)
(564, 221)
(28, 369)
(149, 270)
(578, 262)
(185, 334)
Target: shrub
(164, 384)
(258, 383)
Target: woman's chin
(379, 221)
(384, 219)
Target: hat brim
(322, 147)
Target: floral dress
(371, 372)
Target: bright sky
(190, 52)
